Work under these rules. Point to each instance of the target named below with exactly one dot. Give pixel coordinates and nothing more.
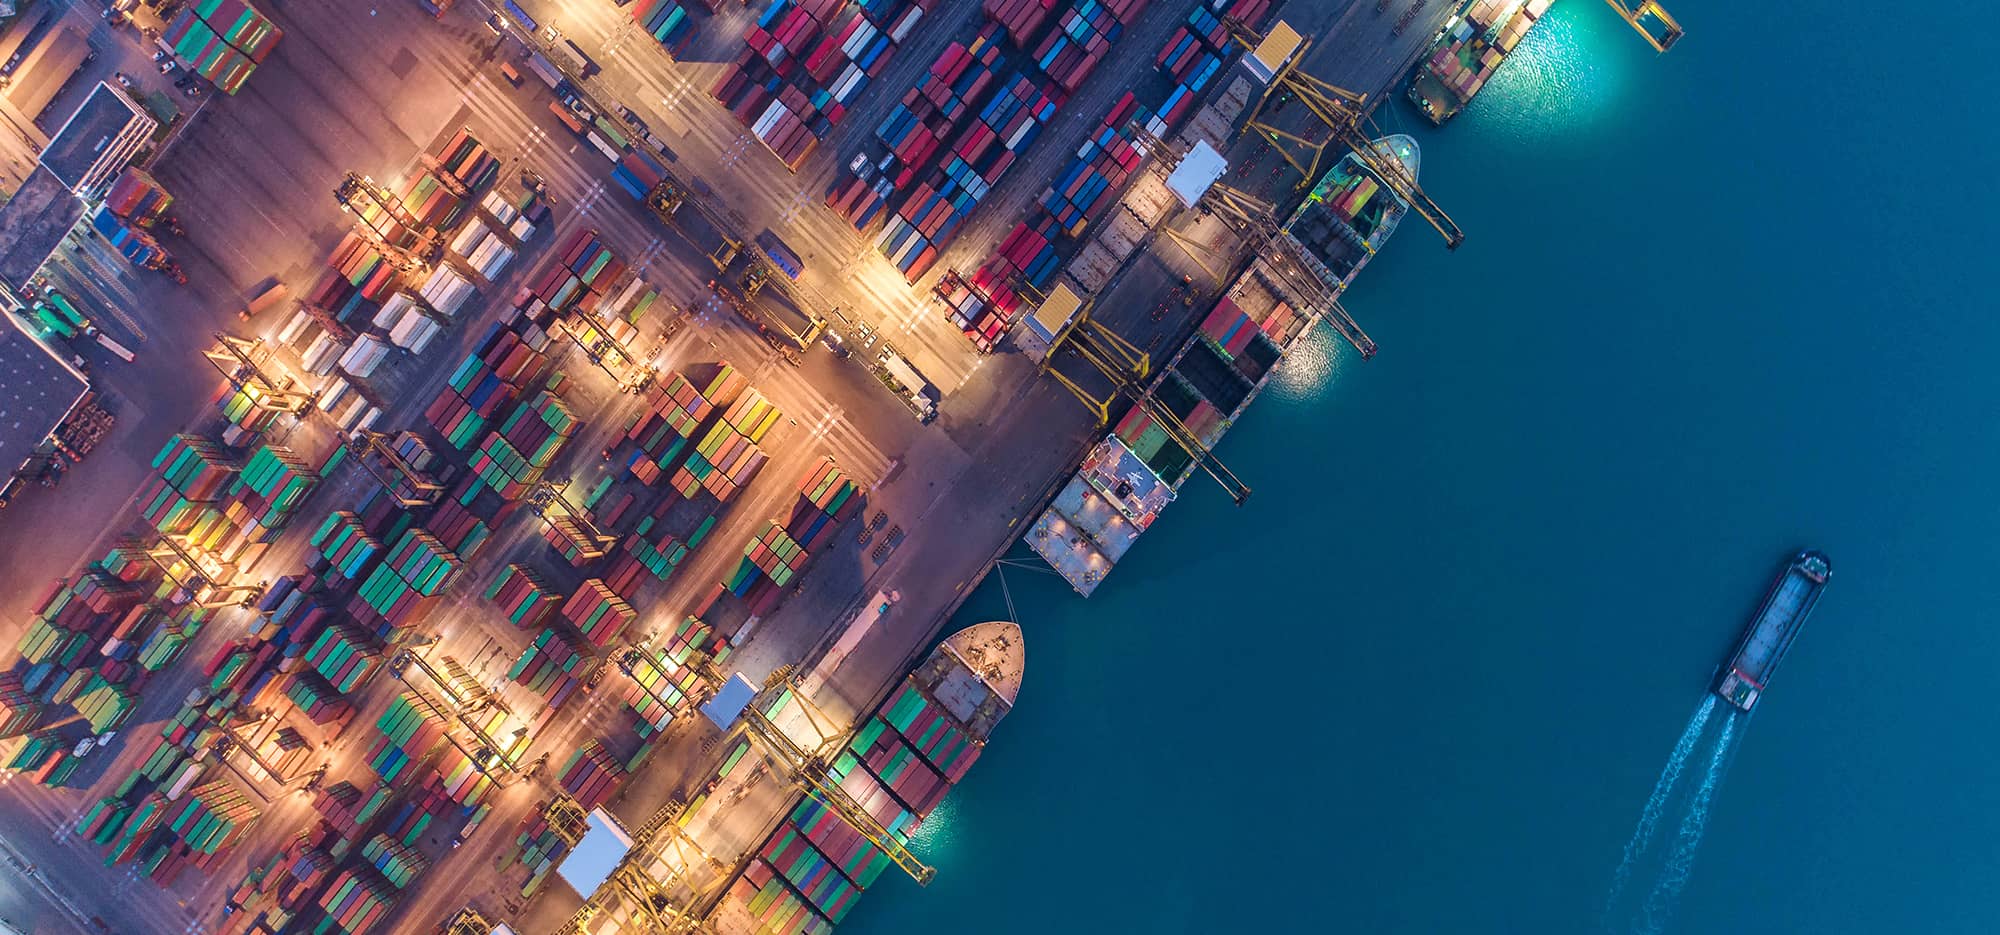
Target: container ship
(1467, 52)
(1137, 470)
(806, 875)
(1352, 211)
(1741, 680)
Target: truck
(910, 386)
(265, 301)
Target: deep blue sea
(1714, 306)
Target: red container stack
(598, 612)
(805, 62)
(591, 775)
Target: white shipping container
(903, 26)
(331, 395)
(848, 82)
(498, 207)
(768, 120)
(468, 237)
(363, 356)
(351, 412)
(610, 152)
(295, 327)
(1027, 126)
(392, 312)
(320, 357)
(406, 331)
(368, 419)
(858, 42)
(521, 229)
(446, 291)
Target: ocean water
(1714, 306)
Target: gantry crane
(1127, 368)
(633, 881)
(493, 752)
(810, 770)
(405, 482)
(1651, 20)
(547, 501)
(170, 557)
(1344, 116)
(414, 249)
(236, 358)
(1281, 254)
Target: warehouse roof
(33, 223)
(75, 149)
(37, 391)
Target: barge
(1741, 680)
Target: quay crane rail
(1344, 115)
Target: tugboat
(1741, 680)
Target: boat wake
(1649, 818)
(1667, 893)
(1670, 875)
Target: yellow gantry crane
(238, 359)
(185, 571)
(413, 253)
(547, 501)
(810, 770)
(1342, 117)
(1651, 20)
(1128, 368)
(633, 880)
(408, 485)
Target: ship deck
(1767, 636)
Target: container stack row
(355, 902)
(524, 597)
(723, 463)
(467, 161)
(669, 22)
(407, 583)
(805, 62)
(514, 456)
(598, 612)
(551, 667)
(1105, 160)
(409, 729)
(137, 198)
(591, 774)
(972, 156)
(222, 40)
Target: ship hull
(1743, 676)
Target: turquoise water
(1714, 306)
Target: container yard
(496, 490)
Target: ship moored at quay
(1137, 469)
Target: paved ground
(365, 93)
